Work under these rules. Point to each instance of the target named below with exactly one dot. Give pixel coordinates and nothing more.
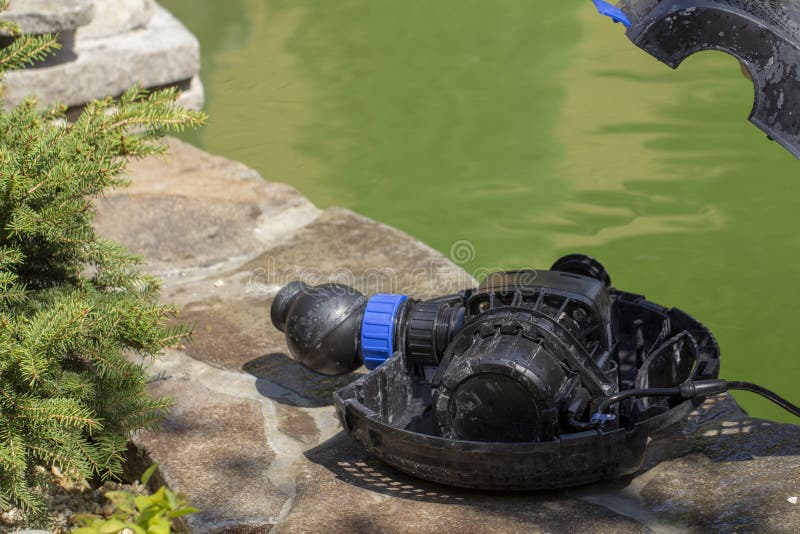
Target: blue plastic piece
(610, 10)
(377, 328)
(603, 417)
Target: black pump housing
(495, 387)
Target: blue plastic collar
(377, 328)
(610, 10)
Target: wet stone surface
(254, 440)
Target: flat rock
(348, 248)
(112, 17)
(192, 94)
(228, 240)
(209, 212)
(231, 308)
(725, 474)
(213, 448)
(254, 440)
(717, 471)
(49, 16)
(341, 488)
(163, 52)
(237, 360)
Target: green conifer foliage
(72, 304)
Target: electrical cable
(687, 390)
(767, 394)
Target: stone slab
(224, 241)
(718, 471)
(209, 212)
(231, 308)
(345, 247)
(163, 52)
(213, 448)
(112, 17)
(49, 16)
(192, 94)
(358, 493)
(228, 240)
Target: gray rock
(192, 94)
(341, 488)
(254, 440)
(220, 222)
(49, 16)
(161, 53)
(232, 450)
(112, 17)
(210, 212)
(718, 471)
(212, 447)
(372, 257)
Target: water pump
(533, 380)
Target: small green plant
(72, 304)
(143, 514)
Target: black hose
(767, 394)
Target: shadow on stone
(343, 457)
(747, 439)
(727, 440)
(286, 381)
(342, 476)
(351, 464)
(718, 471)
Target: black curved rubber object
(763, 34)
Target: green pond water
(530, 129)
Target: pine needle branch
(72, 304)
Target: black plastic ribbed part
(421, 334)
(431, 326)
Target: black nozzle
(283, 301)
(322, 325)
